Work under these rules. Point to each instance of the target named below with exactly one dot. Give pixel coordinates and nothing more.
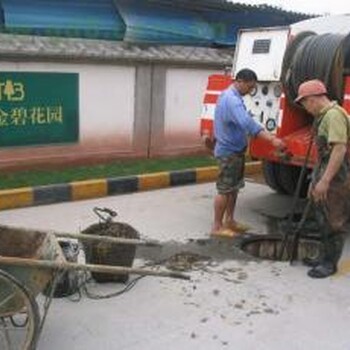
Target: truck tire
(283, 178)
(272, 174)
(288, 176)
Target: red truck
(283, 58)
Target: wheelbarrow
(29, 261)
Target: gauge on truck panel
(277, 90)
(265, 90)
(271, 124)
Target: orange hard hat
(309, 88)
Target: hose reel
(310, 56)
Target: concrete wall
(185, 89)
(126, 110)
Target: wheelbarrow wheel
(19, 315)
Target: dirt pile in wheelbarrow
(15, 244)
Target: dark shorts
(231, 174)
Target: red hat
(311, 88)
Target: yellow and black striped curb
(73, 191)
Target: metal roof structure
(80, 50)
(178, 22)
(78, 18)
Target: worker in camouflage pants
(330, 186)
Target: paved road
(234, 303)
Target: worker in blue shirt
(232, 126)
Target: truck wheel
(288, 176)
(271, 174)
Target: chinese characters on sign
(38, 108)
(31, 116)
(11, 91)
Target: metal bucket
(110, 254)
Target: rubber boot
(312, 262)
(320, 224)
(332, 253)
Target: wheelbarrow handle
(64, 265)
(107, 239)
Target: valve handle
(105, 214)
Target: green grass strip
(115, 169)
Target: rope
(86, 279)
(130, 285)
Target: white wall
(108, 118)
(185, 89)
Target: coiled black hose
(311, 56)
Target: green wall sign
(38, 108)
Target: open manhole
(269, 247)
